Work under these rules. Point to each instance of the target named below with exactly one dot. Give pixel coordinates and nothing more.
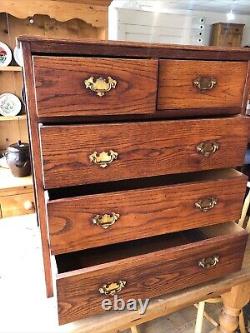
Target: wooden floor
(23, 305)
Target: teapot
(18, 159)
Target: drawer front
(18, 204)
(82, 154)
(94, 86)
(148, 275)
(102, 219)
(201, 84)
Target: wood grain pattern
(164, 305)
(176, 89)
(37, 166)
(60, 88)
(144, 212)
(145, 149)
(151, 274)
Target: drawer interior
(133, 184)
(97, 256)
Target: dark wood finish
(144, 212)
(227, 34)
(177, 91)
(60, 88)
(145, 149)
(173, 268)
(132, 49)
(37, 165)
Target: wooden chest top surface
(39, 45)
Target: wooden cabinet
(16, 195)
(226, 34)
(20, 203)
(132, 202)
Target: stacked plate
(18, 56)
(10, 105)
(6, 55)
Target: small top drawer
(187, 84)
(73, 86)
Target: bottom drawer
(18, 204)
(145, 268)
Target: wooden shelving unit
(16, 194)
(73, 19)
(11, 69)
(15, 118)
(8, 181)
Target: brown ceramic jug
(18, 159)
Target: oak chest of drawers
(135, 148)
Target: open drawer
(103, 214)
(145, 268)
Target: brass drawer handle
(209, 262)
(207, 148)
(204, 83)
(206, 204)
(104, 158)
(100, 85)
(105, 221)
(112, 288)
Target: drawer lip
(178, 264)
(57, 98)
(176, 77)
(173, 251)
(198, 177)
(67, 216)
(139, 145)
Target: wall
(179, 26)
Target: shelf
(9, 182)
(21, 117)
(11, 69)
